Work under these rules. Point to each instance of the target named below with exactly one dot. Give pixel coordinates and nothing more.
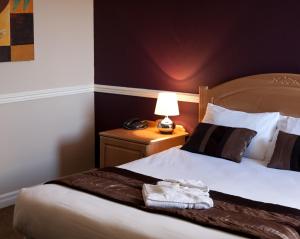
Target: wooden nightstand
(121, 146)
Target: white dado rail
(79, 89)
(139, 92)
(42, 94)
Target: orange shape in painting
(5, 26)
(22, 52)
(20, 8)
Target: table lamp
(166, 105)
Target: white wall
(46, 138)
(63, 46)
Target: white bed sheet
(53, 211)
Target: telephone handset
(135, 123)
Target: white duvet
(53, 212)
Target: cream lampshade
(166, 105)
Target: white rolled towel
(176, 196)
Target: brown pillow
(219, 141)
(287, 152)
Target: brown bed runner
(230, 213)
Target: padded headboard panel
(257, 93)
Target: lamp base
(166, 126)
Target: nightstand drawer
(163, 145)
(116, 152)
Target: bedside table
(119, 146)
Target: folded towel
(187, 183)
(175, 196)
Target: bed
(53, 211)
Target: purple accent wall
(178, 45)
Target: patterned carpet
(6, 229)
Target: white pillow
(263, 123)
(286, 124)
(292, 125)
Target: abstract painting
(16, 30)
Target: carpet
(6, 224)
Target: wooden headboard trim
(266, 92)
(203, 101)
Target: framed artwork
(16, 30)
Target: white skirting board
(8, 199)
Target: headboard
(257, 93)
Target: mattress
(53, 211)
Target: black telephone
(135, 123)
